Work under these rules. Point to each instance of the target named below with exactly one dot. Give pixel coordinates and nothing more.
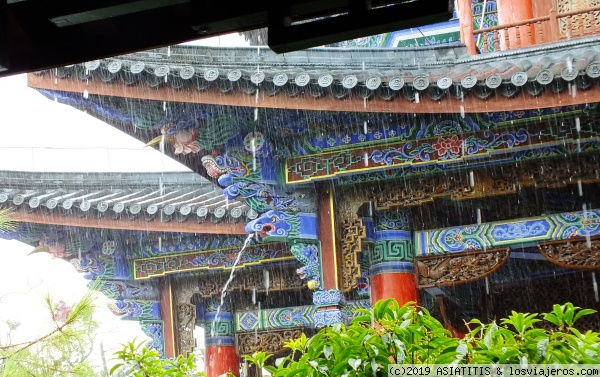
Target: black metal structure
(40, 34)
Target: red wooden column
(398, 285)
(220, 354)
(166, 313)
(326, 231)
(510, 11)
(392, 269)
(220, 360)
(329, 298)
(465, 15)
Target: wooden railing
(547, 29)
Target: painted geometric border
(490, 235)
(275, 318)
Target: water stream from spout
(224, 291)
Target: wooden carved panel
(279, 280)
(186, 322)
(414, 193)
(458, 186)
(573, 253)
(353, 233)
(267, 341)
(458, 268)
(184, 290)
(481, 183)
(585, 23)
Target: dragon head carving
(224, 167)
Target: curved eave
(427, 80)
(181, 202)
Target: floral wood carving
(279, 280)
(459, 268)
(267, 341)
(458, 187)
(573, 253)
(184, 290)
(491, 181)
(415, 193)
(186, 321)
(349, 200)
(353, 233)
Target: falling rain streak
(469, 179)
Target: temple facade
(452, 175)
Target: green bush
(139, 361)
(393, 334)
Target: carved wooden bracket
(267, 341)
(186, 322)
(573, 253)
(353, 233)
(458, 268)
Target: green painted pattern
(392, 251)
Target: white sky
(40, 135)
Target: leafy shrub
(139, 361)
(393, 334)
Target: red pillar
(166, 313)
(220, 353)
(329, 298)
(220, 360)
(400, 286)
(465, 15)
(510, 11)
(326, 226)
(392, 269)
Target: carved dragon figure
(240, 176)
(214, 133)
(225, 167)
(91, 267)
(126, 309)
(262, 197)
(274, 224)
(307, 254)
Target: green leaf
(354, 363)
(374, 366)
(583, 312)
(542, 346)
(114, 368)
(489, 333)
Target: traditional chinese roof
(127, 197)
(435, 72)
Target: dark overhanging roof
(39, 34)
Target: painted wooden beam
(137, 224)
(470, 104)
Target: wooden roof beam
(137, 224)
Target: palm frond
(7, 222)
